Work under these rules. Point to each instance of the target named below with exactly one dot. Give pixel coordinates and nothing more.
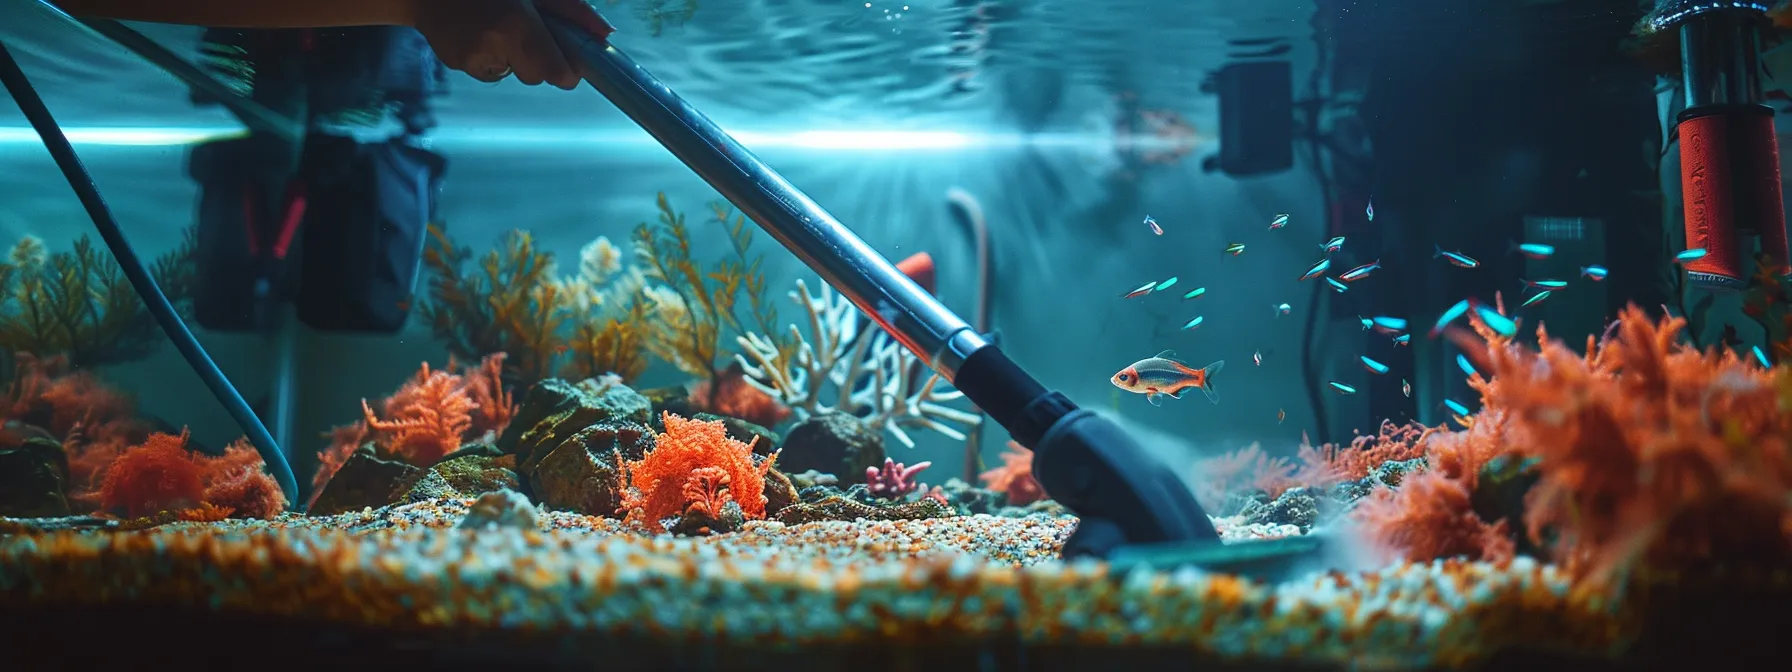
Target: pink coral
(894, 481)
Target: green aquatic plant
(78, 304)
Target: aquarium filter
(1729, 154)
(1256, 101)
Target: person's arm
(251, 13)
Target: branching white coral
(862, 373)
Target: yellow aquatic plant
(697, 304)
(511, 301)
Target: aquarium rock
(580, 473)
(468, 476)
(502, 508)
(1297, 506)
(33, 477)
(697, 523)
(588, 402)
(834, 443)
(811, 478)
(744, 432)
(675, 399)
(843, 508)
(365, 480)
(1499, 494)
(1390, 473)
(780, 493)
(969, 499)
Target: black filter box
(1256, 117)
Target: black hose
(164, 313)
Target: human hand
(491, 39)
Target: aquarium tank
(903, 334)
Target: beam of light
(829, 141)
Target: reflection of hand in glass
(488, 39)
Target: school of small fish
(1164, 375)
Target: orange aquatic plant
(1652, 453)
(431, 415)
(1649, 454)
(94, 422)
(693, 466)
(162, 474)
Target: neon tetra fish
(1164, 376)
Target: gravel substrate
(932, 582)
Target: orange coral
(163, 475)
(426, 418)
(492, 405)
(1247, 468)
(706, 492)
(691, 449)
(431, 415)
(1327, 464)
(1430, 517)
(730, 395)
(1015, 477)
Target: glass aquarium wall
(1414, 334)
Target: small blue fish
(1532, 250)
(1341, 287)
(1466, 366)
(1360, 272)
(1596, 272)
(1542, 284)
(1457, 258)
(1456, 408)
(1194, 293)
(1373, 366)
(1538, 297)
(1332, 245)
(1761, 357)
(1370, 211)
(1283, 309)
(1451, 315)
(1342, 388)
(1406, 388)
(1403, 339)
(1164, 376)
(1279, 222)
(1367, 323)
(1693, 254)
(1165, 284)
(1194, 322)
(1235, 249)
(1317, 269)
(1495, 321)
(1153, 224)
(1389, 324)
(1141, 291)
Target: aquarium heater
(1729, 155)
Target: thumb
(580, 13)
